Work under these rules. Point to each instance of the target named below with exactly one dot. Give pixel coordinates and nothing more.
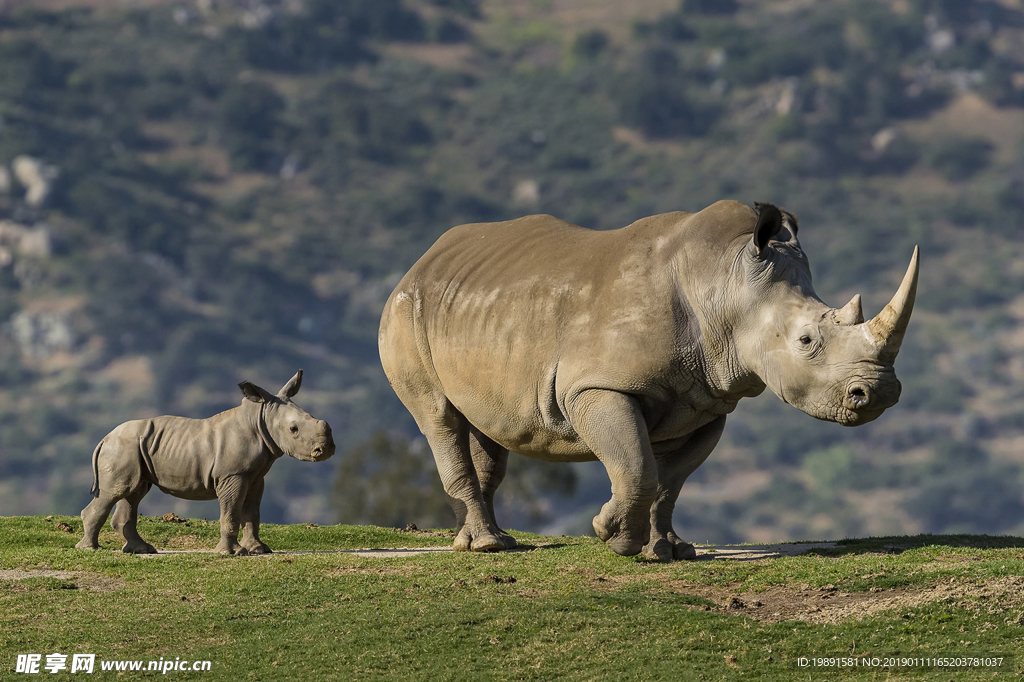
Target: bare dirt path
(704, 553)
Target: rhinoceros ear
(292, 387)
(791, 221)
(769, 222)
(254, 393)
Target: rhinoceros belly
(188, 457)
(512, 400)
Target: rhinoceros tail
(96, 470)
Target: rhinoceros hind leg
(613, 427)
(404, 354)
(125, 521)
(673, 469)
(490, 461)
(93, 517)
(447, 432)
(122, 510)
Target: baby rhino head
(291, 428)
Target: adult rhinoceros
(628, 346)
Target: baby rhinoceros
(223, 457)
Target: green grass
(567, 608)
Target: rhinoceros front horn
(888, 327)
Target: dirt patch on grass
(391, 569)
(828, 605)
(753, 552)
(96, 582)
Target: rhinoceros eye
(805, 340)
(293, 428)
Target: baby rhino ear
(292, 387)
(253, 392)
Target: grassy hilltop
(564, 608)
(199, 192)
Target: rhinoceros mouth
(321, 452)
(848, 417)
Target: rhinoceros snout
(858, 397)
(324, 446)
(861, 396)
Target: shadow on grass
(369, 552)
(897, 544)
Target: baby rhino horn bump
(888, 327)
(851, 313)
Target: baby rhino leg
(117, 475)
(251, 520)
(231, 493)
(125, 521)
(93, 518)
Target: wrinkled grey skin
(223, 457)
(628, 346)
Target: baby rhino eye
(293, 428)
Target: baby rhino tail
(96, 470)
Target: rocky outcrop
(36, 176)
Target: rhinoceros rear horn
(851, 313)
(888, 327)
(292, 387)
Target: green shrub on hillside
(960, 158)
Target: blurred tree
(590, 44)
(390, 481)
(708, 6)
(962, 492)
(960, 158)
(250, 119)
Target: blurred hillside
(203, 191)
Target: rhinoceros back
(507, 319)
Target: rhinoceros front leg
(231, 493)
(674, 467)
(251, 518)
(613, 427)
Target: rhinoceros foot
(85, 543)
(138, 548)
(225, 547)
(613, 528)
(482, 541)
(257, 548)
(669, 549)
(510, 542)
